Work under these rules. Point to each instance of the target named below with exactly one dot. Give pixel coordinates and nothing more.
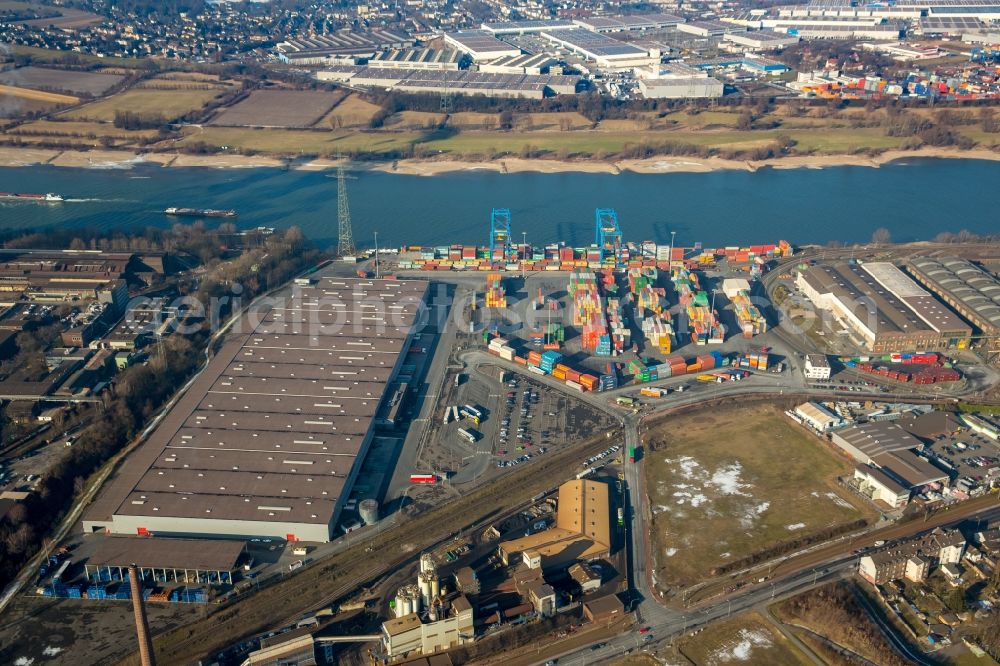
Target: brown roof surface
(399, 625)
(910, 468)
(584, 508)
(157, 553)
(607, 604)
(274, 421)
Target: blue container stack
(549, 361)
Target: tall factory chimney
(146, 657)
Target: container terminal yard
(376, 399)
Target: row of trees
(834, 612)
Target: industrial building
(817, 367)
(681, 88)
(601, 49)
(817, 417)
(320, 49)
(866, 441)
(709, 28)
(480, 44)
(57, 275)
(971, 291)
(427, 620)
(270, 437)
(878, 486)
(762, 40)
(462, 82)
(434, 59)
(631, 23)
(526, 63)
(165, 560)
(582, 530)
(525, 27)
(881, 306)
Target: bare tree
(881, 236)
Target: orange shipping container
(559, 374)
(521, 360)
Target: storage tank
(426, 563)
(401, 602)
(369, 511)
(435, 587)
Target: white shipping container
(575, 385)
(535, 369)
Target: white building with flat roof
(817, 367)
(817, 417)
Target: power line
(345, 233)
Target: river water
(914, 199)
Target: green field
(170, 104)
(746, 639)
(726, 483)
(296, 142)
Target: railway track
(336, 576)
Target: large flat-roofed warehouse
(525, 27)
(323, 48)
(462, 82)
(866, 442)
(630, 23)
(443, 59)
(970, 290)
(599, 48)
(480, 44)
(582, 530)
(884, 321)
(270, 438)
(933, 312)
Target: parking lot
(973, 457)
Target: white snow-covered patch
(741, 646)
(727, 479)
(795, 526)
(839, 501)
(750, 517)
(725, 555)
(51, 651)
(698, 500)
(688, 466)
(23, 661)
(660, 508)
(670, 552)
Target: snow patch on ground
(51, 651)
(698, 500)
(795, 526)
(725, 555)
(660, 508)
(839, 501)
(727, 480)
(671, 552)
(741, 646)
(750, 517)
(23, 661)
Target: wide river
(914, 199)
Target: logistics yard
(513, 386)
(726, 483)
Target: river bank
(113, 159)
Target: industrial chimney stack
(141, 623)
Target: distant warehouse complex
(970, 290)
(269, 439)
(882, 306)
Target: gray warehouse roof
(970, 286)
(272, 429)
(150, 553)
(871, 439)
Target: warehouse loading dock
(269, 439)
